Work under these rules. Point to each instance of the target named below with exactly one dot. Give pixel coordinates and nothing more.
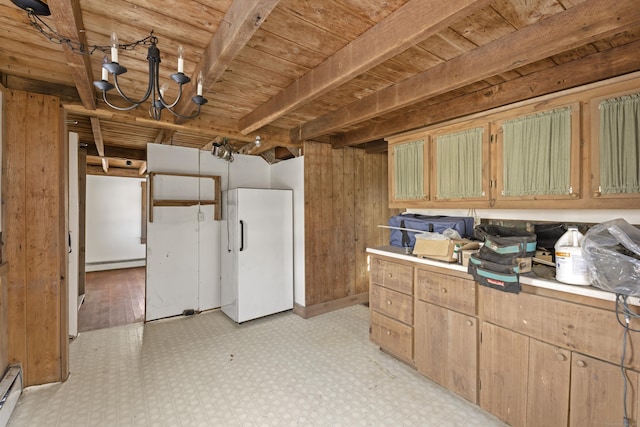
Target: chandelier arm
(194, 115)
(115, 107)
(169, 106)
(125, 97)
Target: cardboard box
(466, 254)
(524, 264)
(442, 250)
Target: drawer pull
(581, 363)
(388, 302)
(469, 322)
(561, 357)
(388, 332)
(444, 290)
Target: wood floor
(112, 298)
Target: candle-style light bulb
(163, 89)
(114, 47)
(199, 93)
(180, 59)
(105, 73)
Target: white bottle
(570, 265)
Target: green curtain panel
(537, 153)
(620, 145)
(459, 164)
(409, 172)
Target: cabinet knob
(469, 322)
(388, 302)
(581, 363)
(390, 275)
(561, 357)
(444, 290)
(388, 332)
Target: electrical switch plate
(200, 216)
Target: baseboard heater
(10, 390)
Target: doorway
(113, 298)
(115, 250)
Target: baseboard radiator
(10, 390)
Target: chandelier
(34, 8)
(154, 90)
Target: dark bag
(506, 282)
(506, 242)
(423, 223)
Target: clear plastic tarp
(611, 251)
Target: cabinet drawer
(392, 303)
(392, 275)
(446, 291)
(589, 330)
(392, 336)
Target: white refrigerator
(256, 253)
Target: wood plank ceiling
(345, 72)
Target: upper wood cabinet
(409, 170)
(615, 147)
(538, 154)
(559, 151)
(460, 162)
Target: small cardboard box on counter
(443, 250)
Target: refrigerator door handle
(241, 235)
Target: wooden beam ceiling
(589, 69)
(67, 19)
(241, 21)
(410, 24)
(577, 26)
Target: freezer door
(229, 256)
(264, 244)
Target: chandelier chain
(80, 48)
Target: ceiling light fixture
(258, 141)
(34, 8)
(222, 151)
(154, 90)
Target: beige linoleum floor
(205, 370)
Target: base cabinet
(446, 348)
(597, 390)
(533, 359)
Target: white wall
(73, 212)
(183, 247)
(289, 174)
(113, 212)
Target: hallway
(112, 298)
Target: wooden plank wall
(34, 235)
(346, 198)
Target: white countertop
(588, 291)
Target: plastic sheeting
(611, 251)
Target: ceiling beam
(599, 66)
(67, 18)
(407, 26)
(122, 172)
(242, 20)
(97, 135)
(118, 152)
(577, 26)
(202, 125)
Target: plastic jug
(570, 265)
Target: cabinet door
(597, 390)
(446, 348)
(548, 385)
(408, 171)
(504, 360)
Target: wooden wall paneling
(14, 227)
(325, 283)
(360, 209)
(43, 195)
(349, 243)
(36, 237)
(338, 250)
